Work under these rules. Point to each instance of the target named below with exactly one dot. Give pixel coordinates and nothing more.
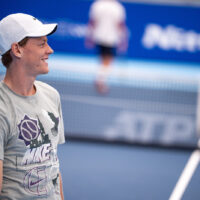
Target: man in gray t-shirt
(31, 123)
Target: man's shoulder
(45, 86)
(4, 93)
(47, 90)
(5, 99)
(1, 83)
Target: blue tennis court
(113, 172)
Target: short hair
(7, 58)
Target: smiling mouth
(45, 60)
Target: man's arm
(61, 187)
(123, 45)
(1, 174)
(89, 43)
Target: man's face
(35, 55)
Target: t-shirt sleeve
(61, 126)
(2, 138)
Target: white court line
(132, 104)
(186, 176)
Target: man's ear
(16, 50)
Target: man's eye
(42, 44)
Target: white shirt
(107, 15)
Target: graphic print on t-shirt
(37, 135)
(35, 181)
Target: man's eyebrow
(42, 39)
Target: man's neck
(19, 83)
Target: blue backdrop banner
(155, 31)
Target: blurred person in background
(107, 32)
(31, 120)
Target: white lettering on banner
(170, 38)
(133, 126)
(70, 29)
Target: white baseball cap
(16, 27)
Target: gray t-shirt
(31, 127)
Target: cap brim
(45, 30)
(54, 28)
